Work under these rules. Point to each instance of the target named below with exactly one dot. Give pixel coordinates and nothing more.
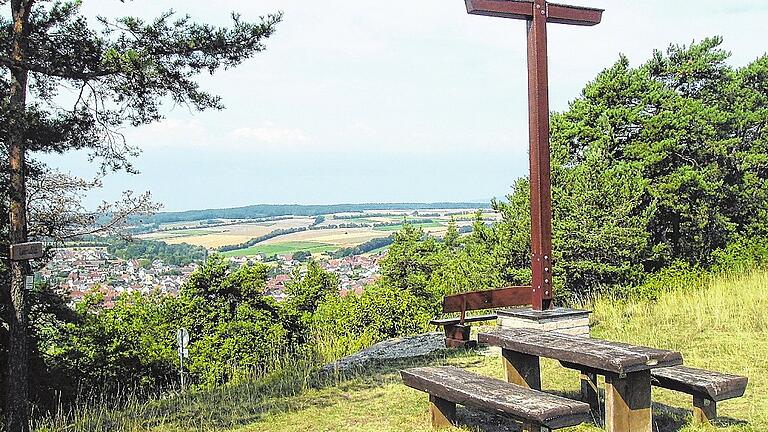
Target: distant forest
(274, 210)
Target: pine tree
(121, 71)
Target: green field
(398, 227)
(360, 220)
(282, 249)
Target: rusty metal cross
(538, 13)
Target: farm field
(283, 248)
(331, 239)
(225, 235)
(342, 237)
(434, 222)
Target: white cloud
(171, 133)
(270, 134)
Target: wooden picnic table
(627, 370)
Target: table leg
(442, 412)
(522, 369)
(628, 402)
(591, 395)
(532, 427)
(704, 410)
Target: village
(77, 272)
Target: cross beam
(538, 13)
(521, 9)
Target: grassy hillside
(717, 323)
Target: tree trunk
(17, 409)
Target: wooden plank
(478, 300)
(628, 403)
(514, 9)
(596, 354)
(573, 15)
(441, 412)
(522, 369)
(26, 251)
(467, 388)
(715, 386)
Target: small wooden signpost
(538, 13)
(26, 251)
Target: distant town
(78, 271)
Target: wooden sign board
(26, 251)
(492, 299)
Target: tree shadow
(666, 418)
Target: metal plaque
(182, 337)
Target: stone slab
(540, 316)
(546, 326)
(560, 320)
(391, 350)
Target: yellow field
(214, 237)
(226, 235)
(344, 237)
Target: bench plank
(467, 388)
(715, 386)
(596, 354)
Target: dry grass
(720, 326)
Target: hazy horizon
(479, 201)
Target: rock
(392, 349)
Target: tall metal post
(541, 195)
(181, 370)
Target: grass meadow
(284, 248)
(716, 322)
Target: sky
(385, 101)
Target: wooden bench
(457, 329)
(448, 386)
(707, 388)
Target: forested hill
(273, 210)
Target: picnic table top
(595, 354)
